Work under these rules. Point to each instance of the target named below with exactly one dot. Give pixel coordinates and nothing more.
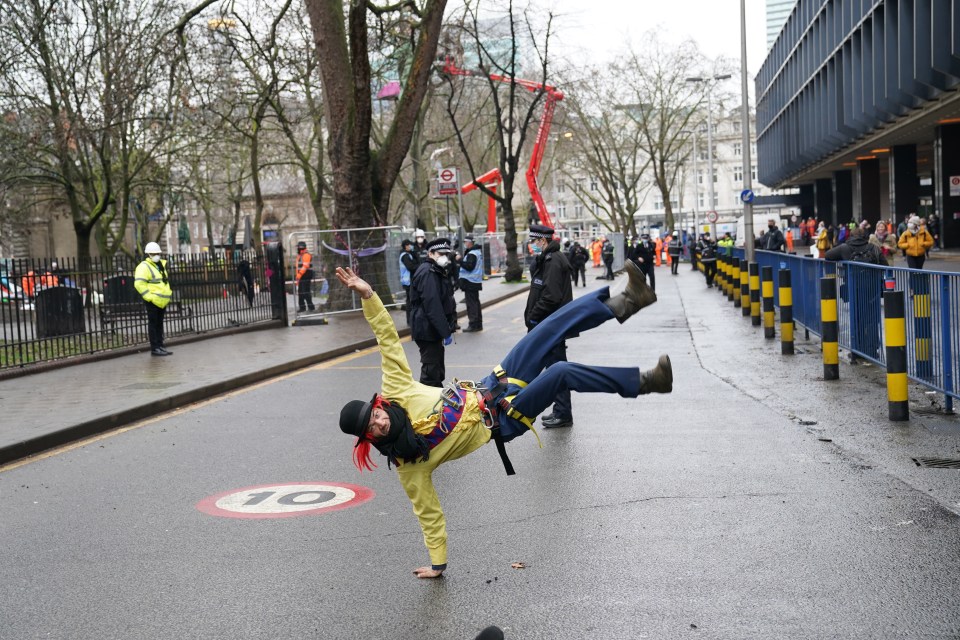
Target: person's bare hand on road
(427, 572)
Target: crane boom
(492, 178)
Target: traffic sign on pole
(712, 216)
(448, 182)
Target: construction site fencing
(54, 309)
(932, 300)
(372, 252)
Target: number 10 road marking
(284, 500)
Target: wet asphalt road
(710, 512)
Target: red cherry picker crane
(491, 179)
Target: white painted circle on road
(285, 500)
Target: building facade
(777, 13)
(857, 106)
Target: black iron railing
(53, 309)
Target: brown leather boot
(636, 296)
(659, 379)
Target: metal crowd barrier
(58, 308)
(932, 312)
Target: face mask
(155, 259)
(442, 261)
(537, 250)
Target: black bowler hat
(538, 231)
(439, 245)
(355, 416)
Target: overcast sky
(595, 29)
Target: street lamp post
(696, 184)
(709, 83)
(748, 241)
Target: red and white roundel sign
(286, 500)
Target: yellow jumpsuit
(422, 404)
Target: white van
(759, 226)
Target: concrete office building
(857, 105)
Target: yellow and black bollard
(744, 288)
(769, 328)
(786, 313)
(895, 334)
(735, 289)
(754, 294)
(922, 325)
(729, 279)
(829, 328)
(721, 270)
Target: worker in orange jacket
(595, 248)
(658, 256)
(304, 277)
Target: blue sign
(746, 195)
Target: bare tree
(363, 178)
(516, 104)
(609, 146)
(663, 106)
(80, 78)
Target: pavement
(59, 405)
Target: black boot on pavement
(556, 422)
(160, 351)
(659, 379)
(636, 296)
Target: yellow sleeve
(397, 376)
(140, 278)
(417, 481)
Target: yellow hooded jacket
(422, 404)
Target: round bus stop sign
(286, 500)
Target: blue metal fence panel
(932, 310)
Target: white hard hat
(419, 233)
(152, 247)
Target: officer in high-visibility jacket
(471, 282)
(153, 284)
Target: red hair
(361, 450)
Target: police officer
(304, 277)
(674, 249)
(433, 313)
(471, 282)
(153, 284)
(707, 249)
(408, 265)
(551, 287)
(642, 255)
(607, 251)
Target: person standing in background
(550, 289)
(152, 282)
(471, 283)
(304, 277)
(434, 314)
(915, 242)
(408, 266)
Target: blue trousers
(527, 359)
